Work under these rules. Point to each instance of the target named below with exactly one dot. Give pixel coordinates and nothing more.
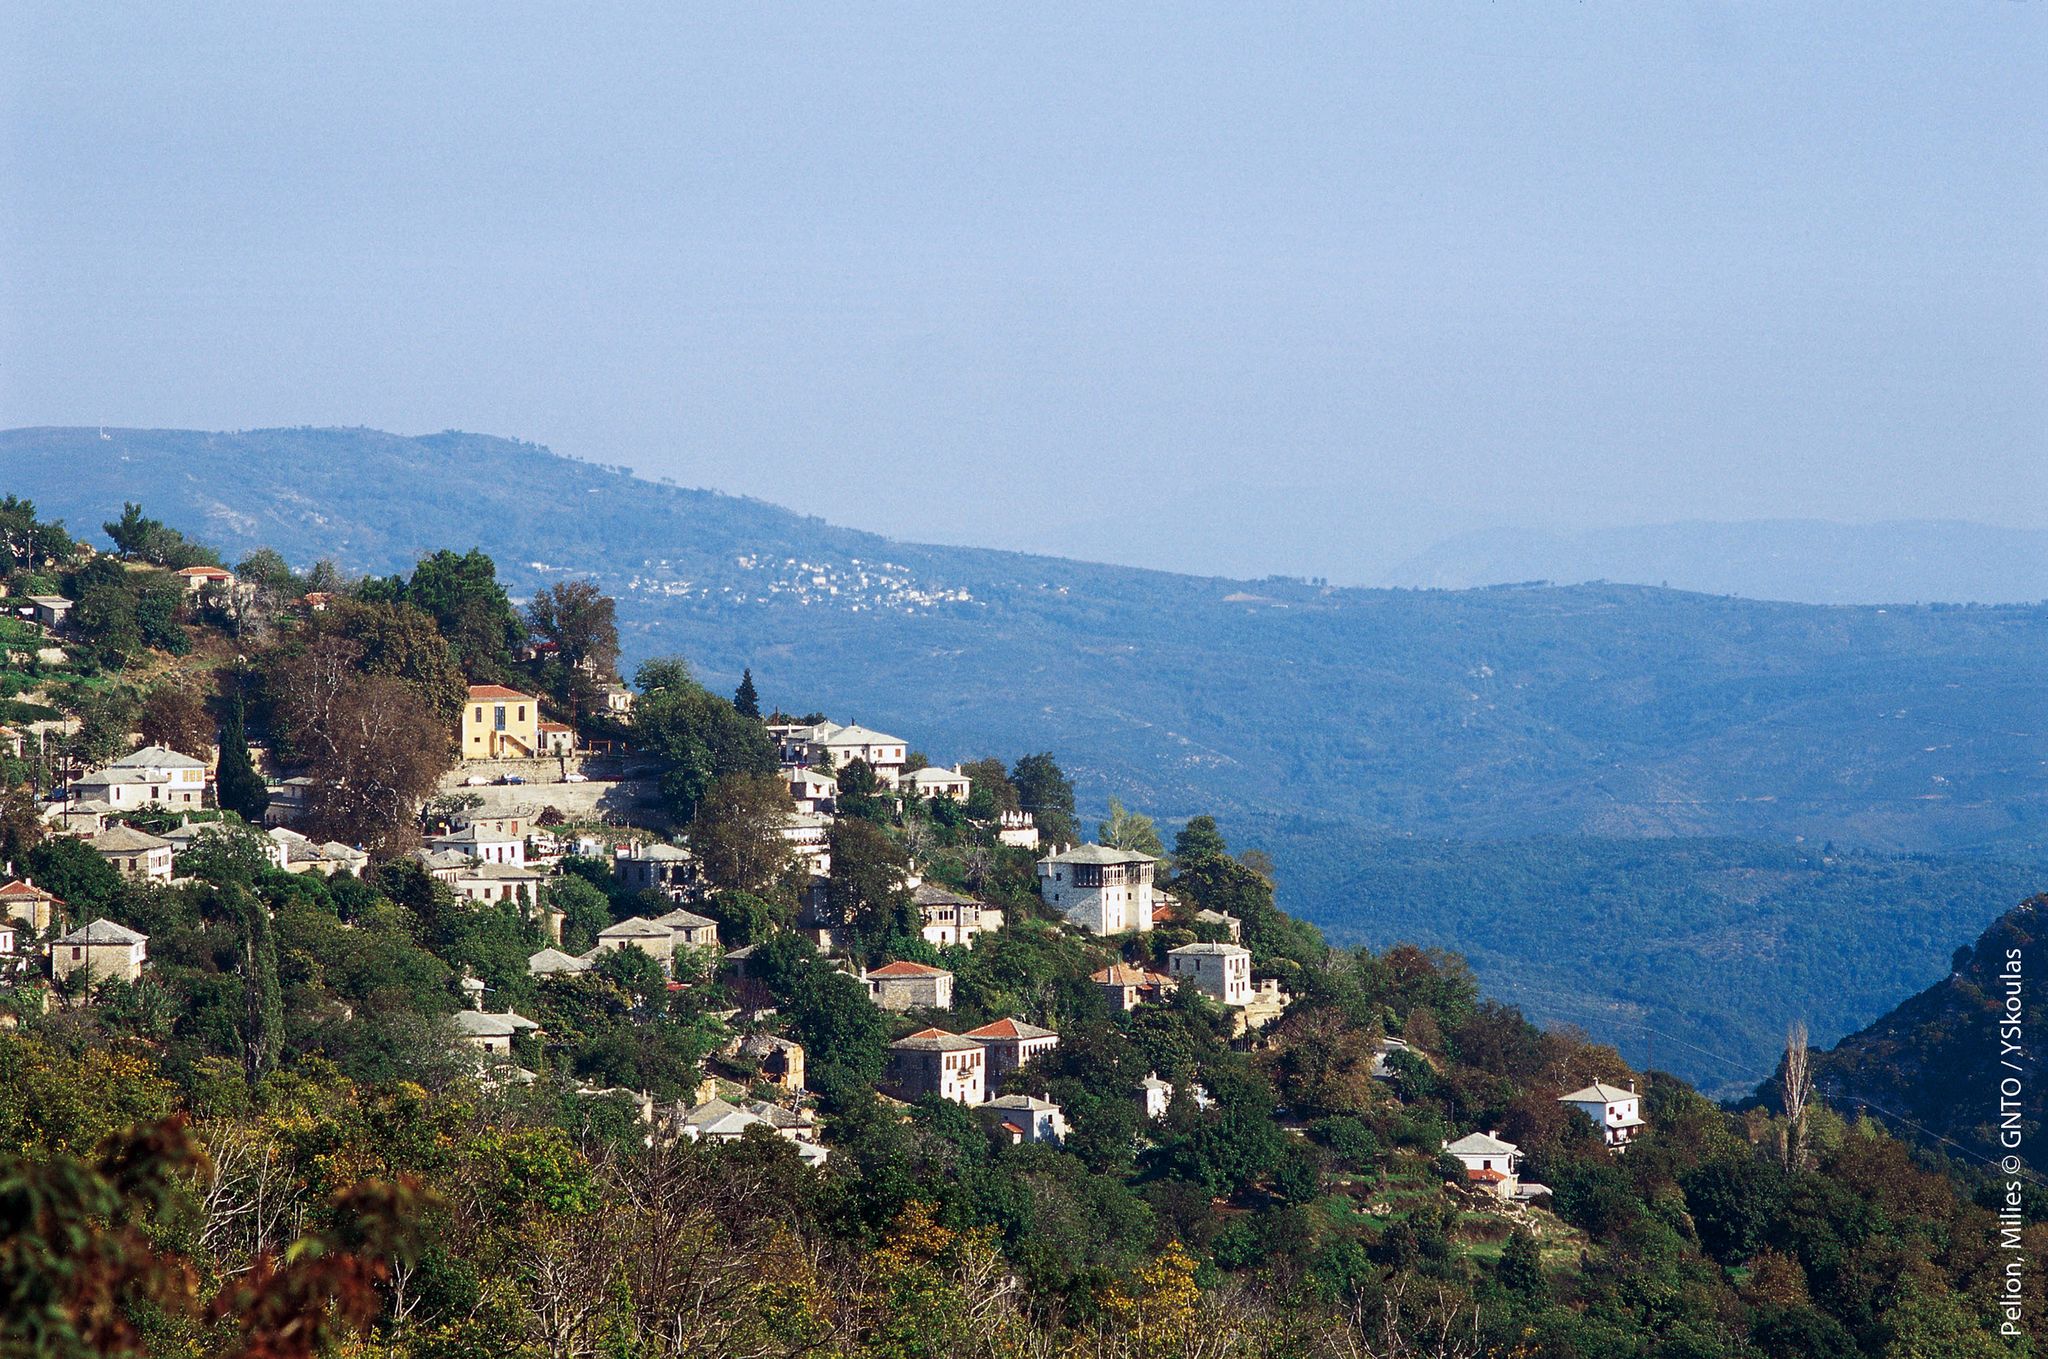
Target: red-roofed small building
(197, 578)
(1126, 986)
(1010, 1043)
(557, 738)
(35, 908)
(909, 986)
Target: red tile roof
(1485, 1176)
(210, 572)
(1008, 1028)
(1129, 974)
(496, 691)
(904, 969)
(22, 891)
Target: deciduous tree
(738, 833)
(174, 715)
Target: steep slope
(1932, 1066)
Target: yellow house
(500, 724)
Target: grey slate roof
(156, 757)
(126, 840)
(103, 932)
(1099, 854)
(1597, 1093)
(477, 1024)
(639, 927)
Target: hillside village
(398, 830)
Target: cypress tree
(746, 700)
(262, 997)
(238, 787)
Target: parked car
(511, 778)
(475, 781)
(575, 778)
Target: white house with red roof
(1490, 1164)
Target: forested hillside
(1501, 713)
(1691, 954)
(340, 1106)
(1547, 728)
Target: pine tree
(746, 700)
(238, 787)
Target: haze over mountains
(1327, 724)
(1804, 560)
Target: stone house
(1126, 986)
(932, 781)
(490, 1033)
(667, 869)
(497, 882)
(829, 745)
(950, 918)
(1099, 889)
(21, 900)
(484, 843)
(909, 986)
(154, 776)
(657, 941)
(552, 962)
(689, 930)
(814, 793)
(1010, 1043)
(1222, 972)
(781, 1060)
(133, 853)
(103, 949)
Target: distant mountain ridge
(1806, 560)
(1319, 723)
(1611, 710)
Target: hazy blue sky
(1226, 287)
